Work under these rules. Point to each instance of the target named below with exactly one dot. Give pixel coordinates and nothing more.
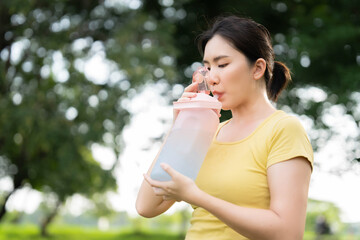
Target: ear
(259, 68)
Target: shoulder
(285, 122)
(288, 140)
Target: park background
(85, 99)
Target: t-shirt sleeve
(289, 140)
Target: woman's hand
(180, 188)
(189, 92)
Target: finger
(167, 198)
(154, 183)
(192, 87)
(172, 172)
(159, 191)
(170, 198)
(218, 112)
(198, 78)
(188, 95)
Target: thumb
(172, 172)
(193, 87)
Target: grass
(31, 232)
(312, 236)
(58, 232)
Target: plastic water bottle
(192, 133)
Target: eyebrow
(216, 58)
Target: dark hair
(254, 41)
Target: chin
(228, 107)
(225, 108)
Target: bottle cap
(201, 76)
(202, 99)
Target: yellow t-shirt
(237, 171)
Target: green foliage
(327, 210)
(30, 232)
(102, 207)
(52, 110)
(11, 232)
(176, 222)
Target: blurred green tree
(324, 209)
(66, 67)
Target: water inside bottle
(184, 151)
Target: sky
(152, 116)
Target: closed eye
(220, 66)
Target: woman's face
(230, 73)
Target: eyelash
(220, 66)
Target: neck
(255, 109)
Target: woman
(254, 181)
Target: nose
(213, 78)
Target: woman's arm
(285, 220)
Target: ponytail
(280, 78)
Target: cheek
(237, 86)
(234, 80)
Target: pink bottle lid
(201, 100)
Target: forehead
(218, 45)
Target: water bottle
(192, 133)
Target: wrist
(198, 197)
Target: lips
(217, 95)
